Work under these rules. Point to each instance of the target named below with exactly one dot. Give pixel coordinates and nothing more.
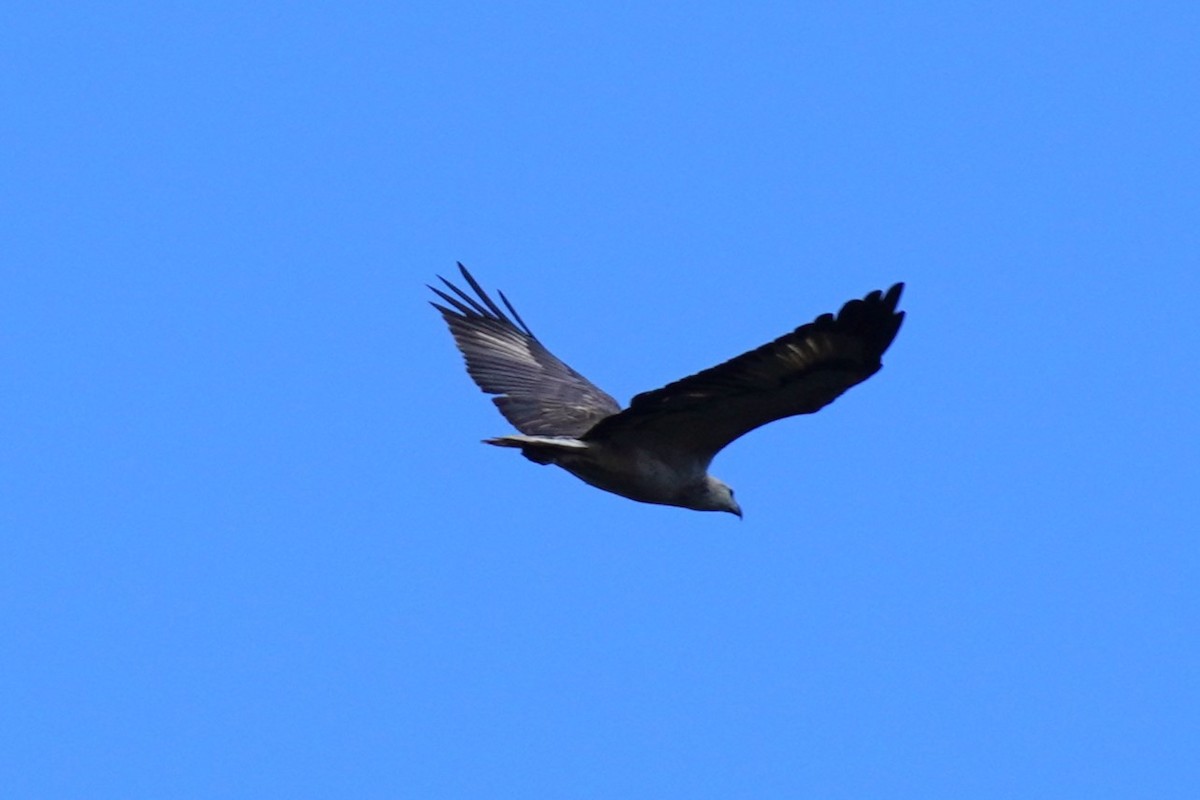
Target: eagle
(659, 448)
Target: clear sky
(251, 546)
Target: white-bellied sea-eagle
(658, 449)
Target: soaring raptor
(658, 449)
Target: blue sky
(252, 545)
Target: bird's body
(648, 475)
(658, 449)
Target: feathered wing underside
(798, 373)
(536, 392)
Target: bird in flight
(658, 449)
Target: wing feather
(798, 373)
(535, 391)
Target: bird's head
(717, 496)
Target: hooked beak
(736, 510)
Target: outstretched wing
(798, 373)
(535, 391)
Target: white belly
(632, 474)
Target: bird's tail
(540, 449)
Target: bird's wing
(535, 391)
(798, 373)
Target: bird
(658, 449)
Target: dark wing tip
(885, 319)
(479, 305)
(874, 319)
